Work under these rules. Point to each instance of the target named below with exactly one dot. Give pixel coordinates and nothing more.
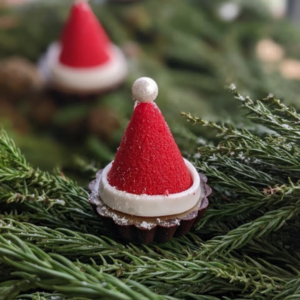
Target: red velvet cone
(148, 160)
(84, 41)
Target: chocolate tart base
(146, 230)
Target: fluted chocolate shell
(145, 230)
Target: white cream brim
(147, 205)
(99, 78)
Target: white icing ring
(109, 74)
(150, 205)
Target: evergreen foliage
(192, 57)
(189, 57)
(53, 246)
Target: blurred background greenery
(192, 48)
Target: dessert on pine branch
(84, 61)
(149, 192)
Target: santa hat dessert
(149, 192)
(84, 61)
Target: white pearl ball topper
(144, 90)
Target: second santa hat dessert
(149, 188)
(85, 60)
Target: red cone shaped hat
(148, 160)
(84, 41)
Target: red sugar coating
(84, 41)
(148, 160)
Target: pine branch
(291, 291)
(273, 114)
(275, 251)
(151, 268)
(201, 277)
(52, 199)
(55, 273)
(255, 201)
(240, 236)
(78, 245)
(252, 174)
(244, 146)
(46, 296)
(10, 155)
(11, 288)
(248, 197)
